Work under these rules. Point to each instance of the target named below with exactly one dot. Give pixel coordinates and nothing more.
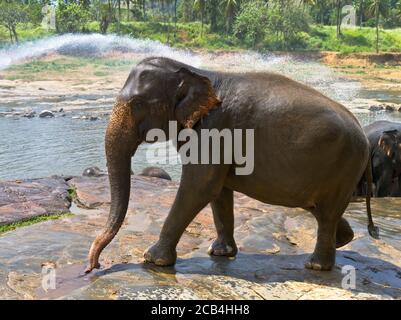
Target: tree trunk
(377, 26)
(175, 20)
(128, 12)
(11, 35)
(144, 10)
(213, 11)
(338, 18)
(202, 22)
(15, 34)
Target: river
(67, 144)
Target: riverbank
(273, 241)
(190, 36)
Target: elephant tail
(373, 230)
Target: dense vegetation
(257, 24)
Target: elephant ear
(387, 139)
(195, 97)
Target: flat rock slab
(274, 243)
(25, 199)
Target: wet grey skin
(385, 151)
(309, 152)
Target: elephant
(309, 152)
(385, 152)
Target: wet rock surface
(273, 242)
(25, 199)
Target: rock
(155, 172)
(268, 266)
(29, 114)
(93, 172)
(376, 108)
(24, 199)
(42, 89)
(390, 108)
(46, 114)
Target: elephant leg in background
(344, 233)
(223, 215)
(383, 185)
(396, 187)
(200, 184)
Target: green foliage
(251, 22)
(28, 222)
(284, 31)
(71, 16)
(12, 14)
(352, 40)
(219, 24)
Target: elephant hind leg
(223, 215)
(344, 233)
(328, 216)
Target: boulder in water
(376, 108)
(155, 172)
(29, 114)
(46, 114)
(93, 172)
(390, 108)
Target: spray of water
(89, 45)
(309, 72)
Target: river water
(66, 146)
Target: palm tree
(128, 12)
(200, 6)
(378, 8)
(230, 8)
(361, 5)
(307, 3)
(338, 19)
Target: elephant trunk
(121, 143)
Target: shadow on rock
(373, 276)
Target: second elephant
(385, 151)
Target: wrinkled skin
(385, 150)
(310, 152)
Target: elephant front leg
(199, 186)
(223, 215)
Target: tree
(378, 8)
(250, 24)
(11, 14)
(71, 16)
(213, 13)
(200, 6)
(338, 20)
(230, 7)
(106, 16)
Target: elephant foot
(344, 233)
(160, 255)
(321, 262)
(219, 247)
